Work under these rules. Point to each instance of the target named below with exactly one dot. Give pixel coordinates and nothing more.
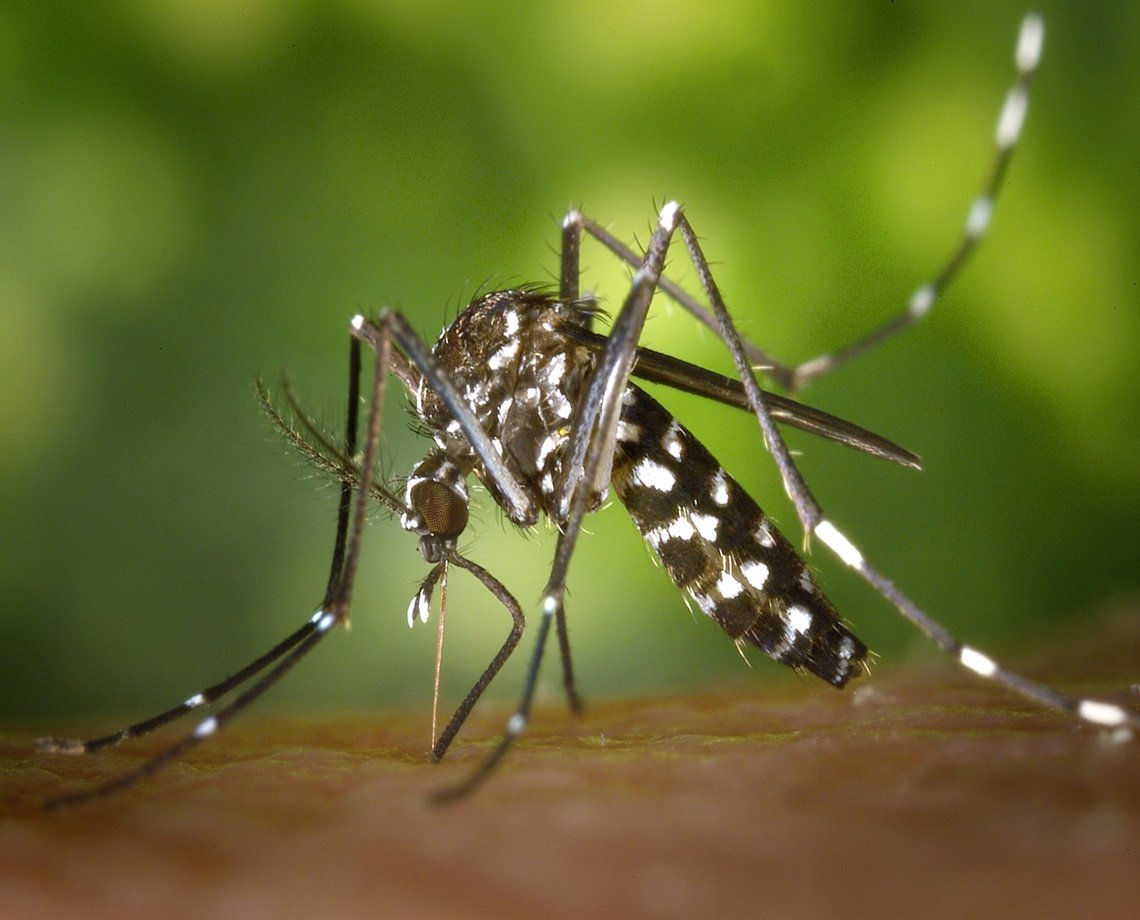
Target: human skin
(925, 791)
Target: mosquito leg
(601, 403)
(505, 598)
(338, 595)
(772, 367)
(1010, 120)
(811, 516)
(1095, 712)
(814, 522)
(569, 276)
(216, 691)
(515, 724)
(573, 698)
(203, 698)
(807, 508)
(589, 454)
(795, 377)
(569, 291)
(419, 608)
(286, 653)
(207, 727)
(344, 505)
(353, 515)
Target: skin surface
(922, 791)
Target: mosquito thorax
(512, 362)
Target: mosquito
(523, 394)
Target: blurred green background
(195, 193)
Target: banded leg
(282, 656)
(1095, 712)
(794, 377)
(1027, 55)
(814, 522)
(811, 516)
(590, 453)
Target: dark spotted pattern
(719, 546)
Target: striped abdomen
(720, 547)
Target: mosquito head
(437, 501)
(442, 512)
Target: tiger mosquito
(520, 392)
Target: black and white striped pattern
(720, 547)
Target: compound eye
(442, 508)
